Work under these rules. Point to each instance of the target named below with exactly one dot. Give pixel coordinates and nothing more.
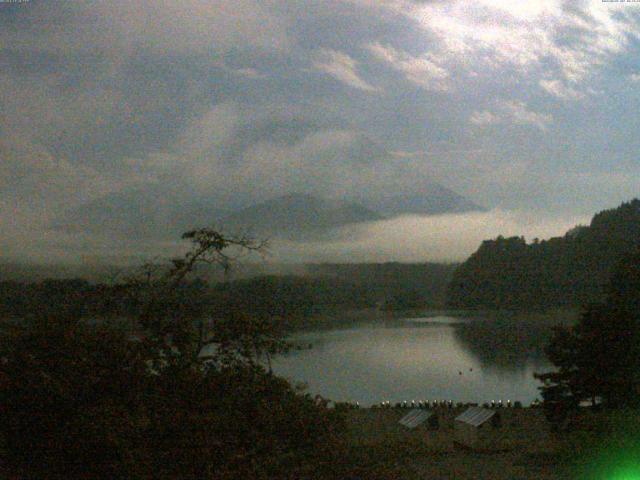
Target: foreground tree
(599, 358)
(183, 398)
(172, 314)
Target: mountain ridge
(298, 215)
(152, 212)
(434, 200)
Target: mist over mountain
(434, 200)
(152, 212)
(298, 215)
(155, 212)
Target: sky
(527, 108)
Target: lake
(430, 358)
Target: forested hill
(394, 285)
(565, 271)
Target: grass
(600, 446)
(379, 447)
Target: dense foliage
(326, 288)
(504, 339)
(390, 285)
(599, 358)
(79, 401)
(179, 394)
(566, 271)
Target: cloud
(442, 238)
(559, 89)
(214, 127)
(246, 72)
(511, 111)
(40, 107)
(520, 114)
(215, 96)
(341, 67)
(159, 26)
(249, 72)
(484, 117)
(328, 162)
(36, 185)
(421, 71)
(432, 153)
(236, 155)
(563, 40)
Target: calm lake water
(413, 359)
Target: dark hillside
(393, 285)
(565, 271)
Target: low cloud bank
(441, 238)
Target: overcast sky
(520, 106)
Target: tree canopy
(598, 359)
(568, 271)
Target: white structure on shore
(476, 428)
(415, 417)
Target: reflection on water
(407, 360)
(503, 343)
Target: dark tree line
(327, 288)
(566, 271)
(598, 359)
(394, 285)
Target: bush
(79, 401)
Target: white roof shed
(415, 417)
(476, 428)
(475, 416)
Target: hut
(476, 429)
(416, 417)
